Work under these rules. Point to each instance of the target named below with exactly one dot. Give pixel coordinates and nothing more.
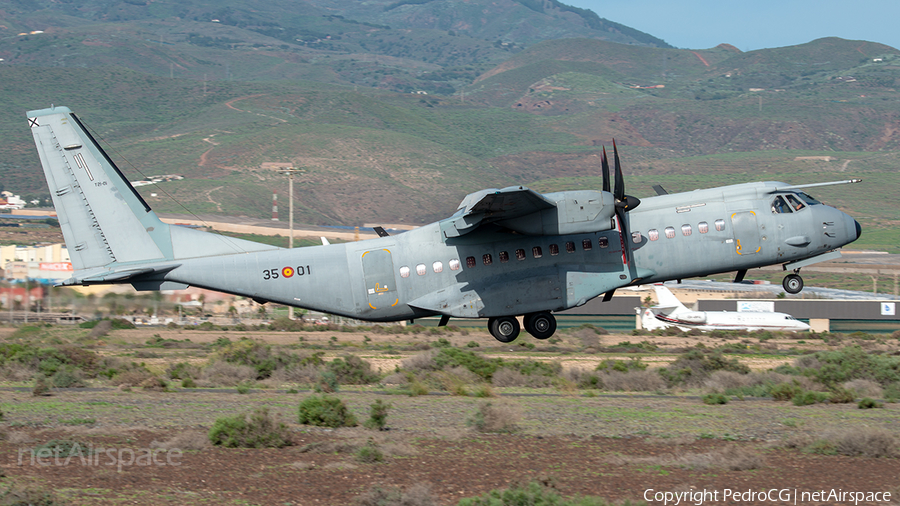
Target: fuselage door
(381, 287)
(746, 233)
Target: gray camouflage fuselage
(504, 252)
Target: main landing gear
(506, 329)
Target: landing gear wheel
(540, 325)
(792, 283)
(504, 328)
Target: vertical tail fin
(668, 303)
(91, 196)
(103, 218)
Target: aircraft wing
(488, 206)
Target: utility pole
(290, 172)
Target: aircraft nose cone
(858, 229)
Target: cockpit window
(780, 206)
(795, 203)
(806, 198)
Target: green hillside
(395, 115)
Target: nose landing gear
(792, 283)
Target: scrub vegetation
(345, 397)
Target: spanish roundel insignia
(287, 272)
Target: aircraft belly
(527, 294)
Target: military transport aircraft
(670, 312)
(504, 253)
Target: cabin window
(636, 237)
(404, 272)
(504, 257)
(420, 269)
(670, 233)
(554, 249)
(454, 264)
(685, 230)
(779, 206)
(703, 227)
(536, 252)
(586, 244)
(520, 254)
(470, 262)
(487, 259)
(806, 198)
(653, 234)
(437, 267)
(570, 247)
(720, 225)
(795, 203)
(604, 242)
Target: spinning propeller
(624, 203)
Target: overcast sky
(753, 24)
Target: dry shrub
(18, 437)
(17, 371)
(719, 381)
(421, 362)
(633, 381)
(865, 442)
(154, 383)
(303, 465)
(133, 377)
(221, 373)
(389, 445)
(187, 440)
(492, 417)
(395, 379)
(14, 493)
(732, 457)
(418, 494)
(807, 362)
(101, 329)
(864, 388)
(573, 374)
(307, 373)
(506, 377)
(588, 337)
(456, 380)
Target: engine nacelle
(576, 212)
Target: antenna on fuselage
(812, 185)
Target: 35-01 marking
(286, 272)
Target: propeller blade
(619, 192)
(604, 163)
